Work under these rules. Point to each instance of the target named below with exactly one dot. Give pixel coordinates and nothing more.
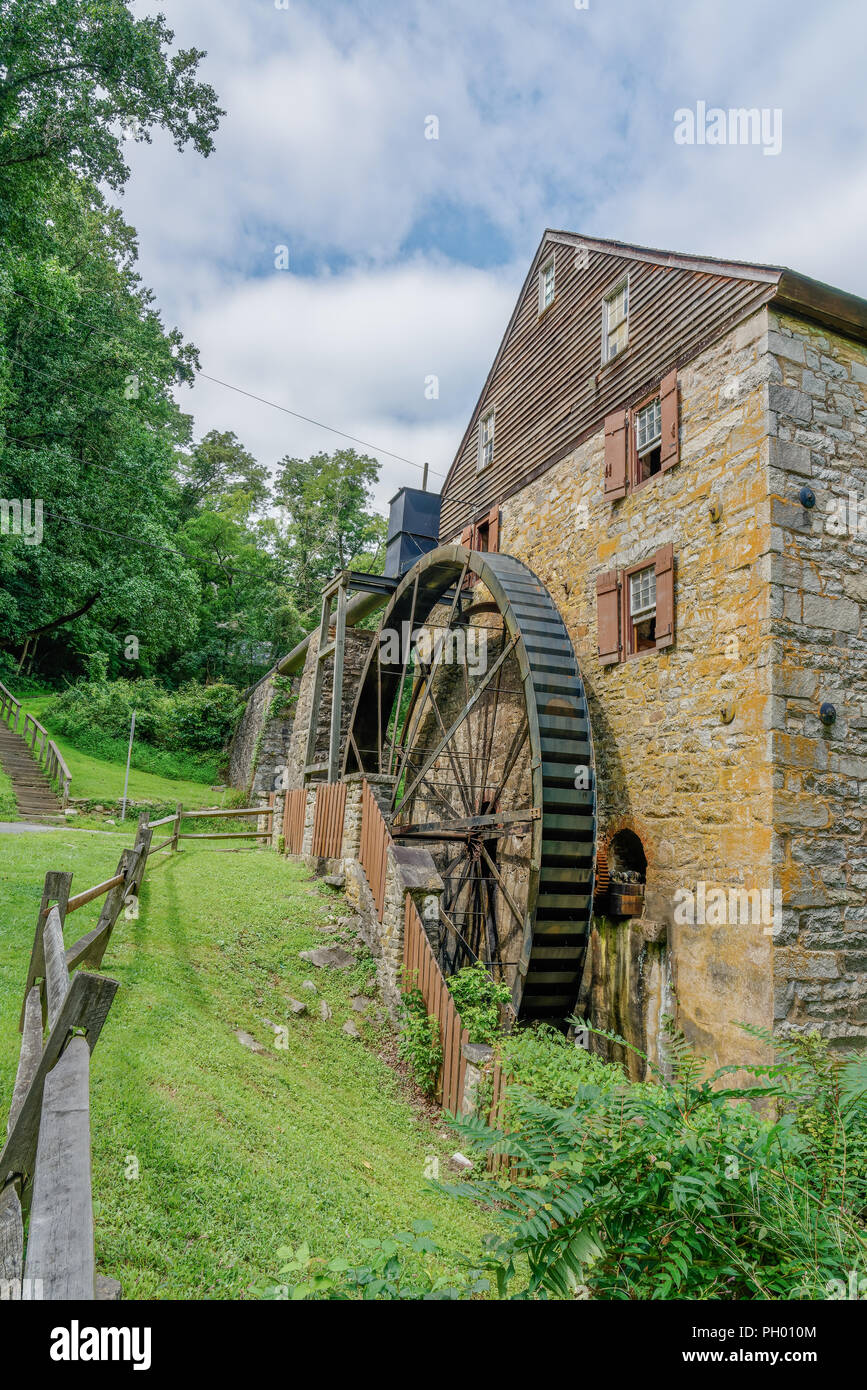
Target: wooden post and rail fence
(421, 969)
(45, 1162)
(45, 752)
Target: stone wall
(818, 426)
(696, 790)
(260, 747)
(627, 989)
(357, 646)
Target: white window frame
(549, 265)
(655, 441)
(485, 439)
(641, 615)
(622, 285)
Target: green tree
(328, 520)
(219, 465)
(88, 421)
(81, 76)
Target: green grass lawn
(237, 1153)
(8, 804)
(99, 779)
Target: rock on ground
(247, 1040)
(322, 956)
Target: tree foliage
(171, 557)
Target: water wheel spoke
(428, 675)
(448, 734)
(510, 901)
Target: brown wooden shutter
(663, 563)
(608, 617)
(670, 451)
(615, 454)
(494, 529)
(467, 536)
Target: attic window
(615, 321)
(486, 441)
(546, 285)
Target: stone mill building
(675, 448)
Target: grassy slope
(8, 804)
(238, 1153)
(95, 778)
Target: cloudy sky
(405, 252)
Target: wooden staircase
(34, 793)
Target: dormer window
(486, 441)
(546, 285)
(615, 321)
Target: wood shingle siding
(548, 383)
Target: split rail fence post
(177, 829)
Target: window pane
(642, 592)
(648, 426)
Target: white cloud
(354, 351)
(548, 116)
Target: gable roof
(786, 289)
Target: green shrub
(419, 1041)
(681, 1189)
(397, 1267)
(202, 717)
(478, 999)
(544, 1061)
(196, 719)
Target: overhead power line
(262, 400)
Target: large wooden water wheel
(471, 723)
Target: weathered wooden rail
(45, 1162)
(45, 752)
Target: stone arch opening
(627, 869)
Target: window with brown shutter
(642, 441)
(467, 536)
(635, 608)
(494, 528)
(615, 454)
(608, 617)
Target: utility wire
(320, 424)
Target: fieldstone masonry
(770, 622)
(818, 437)
(357, 646)
(713, 751)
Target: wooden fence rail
(46, 755)
(45, 1162)
(422, 971)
